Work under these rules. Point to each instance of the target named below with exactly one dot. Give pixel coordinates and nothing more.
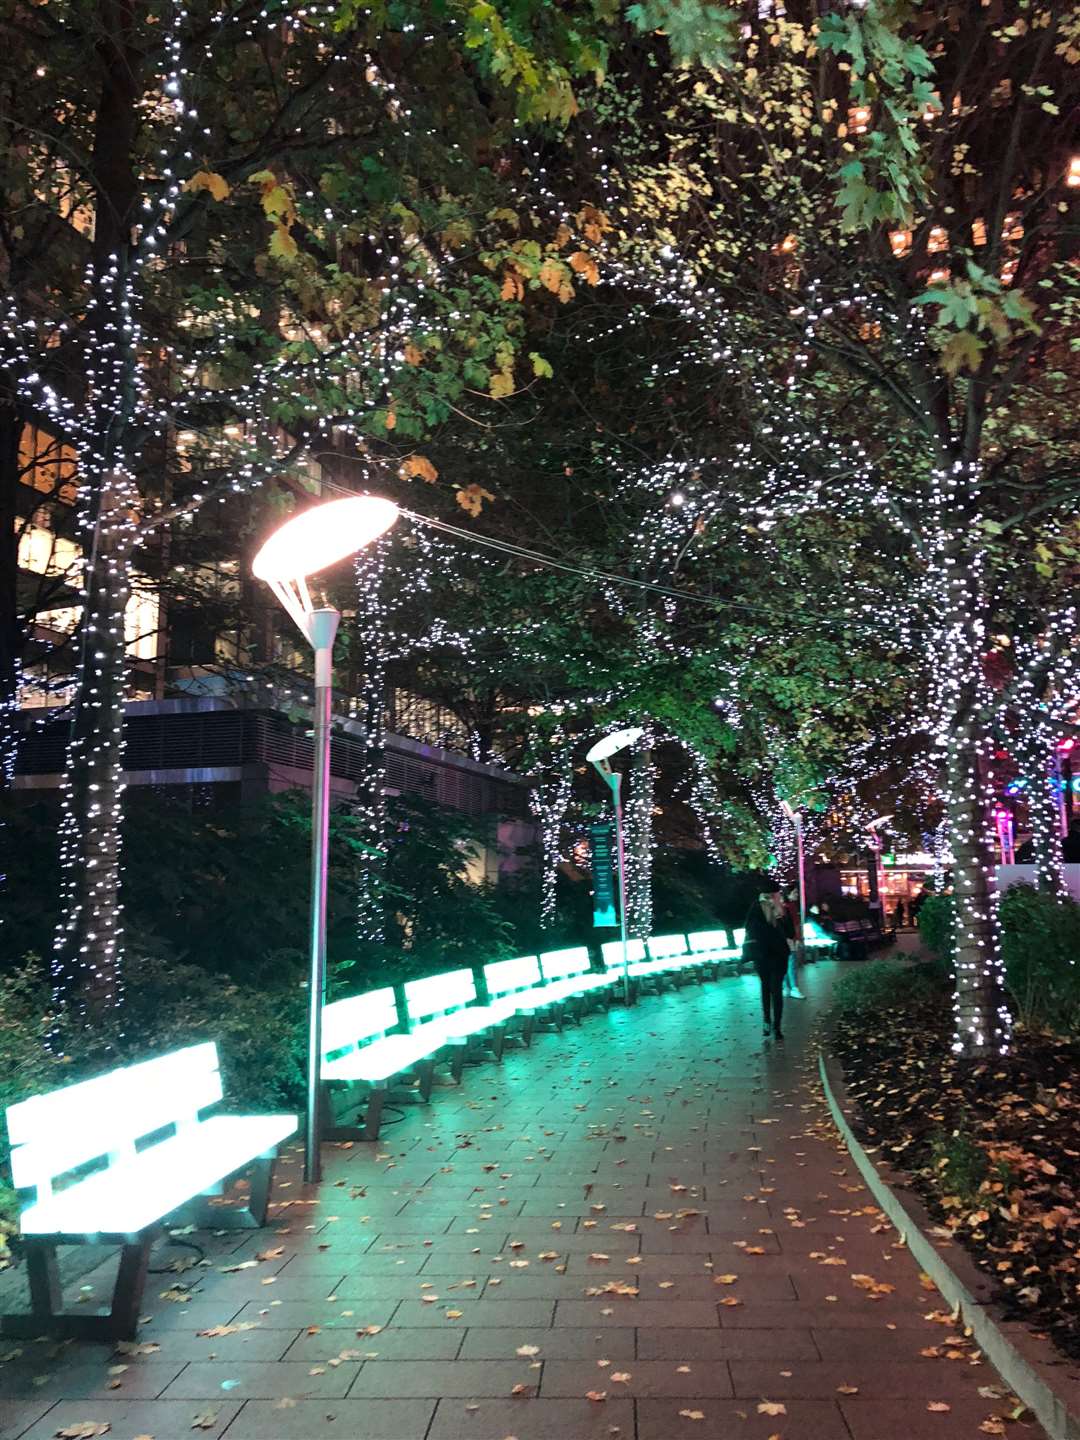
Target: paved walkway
(641, 1229)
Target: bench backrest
(708, 940)
(358, 1019)
(662, 947)
(64, 1129)
(612, 952)
(439, 995)
(738, 937)
(507, 977)
(562, 964)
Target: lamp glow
(313, 541)
(610, 745)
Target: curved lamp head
(609, 745)
(316, 539)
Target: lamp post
(877, 845)
(599, 756)
(795, 816)
(304, 545)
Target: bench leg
(130, 1283)
(43, 1278)
(251, 1216)
(425, 1071)
(527, 1028)
(457, 1062)
(498, 1041)
(46, 1316)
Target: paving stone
(646, 1378)
(705, 1345)
(17, 1416)
(348, 1314)
(196, 1315)
(757, 1315)
(871, 1419)
(255, 1380)
(71, 1377)
(521, 1313)
(533, 1419)
(181, 1346)
(460, 1379)
(350, 1419)
(566, 1344)
(163, 1419)
(387, 1345)
(722, 1419)
(885, 1379)
(612, 1311)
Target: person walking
(768, 932)
(790, 899)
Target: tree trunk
(638, 802)
(982, 1018)
(88, 945)
(1044, 808)
(11, 627)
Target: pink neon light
(321, 536)
(1066, 745)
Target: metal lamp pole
(600, 758)
(304, 545)
(322, 628)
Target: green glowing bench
(715, 948)
(570, 976)
(364, 1042)
(641, 969)
(815, 938)
(154, 1154)
(671, 956)
(516, 991)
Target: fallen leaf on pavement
(85, 1428)
(938, 1407)
(771, 1407)
(692, 1414)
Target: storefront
(902, 877)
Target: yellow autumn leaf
(413, 355)
(418, 467)
(209, 180)
(471, 498)
(501, 384)
(585, 266)
(282, 244)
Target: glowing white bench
(515, 990)
(639, 966)
(184, 1158)
(364, 1042)
(570, 976)
(715, 947)
(670, 955)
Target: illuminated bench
(640, 967)
(714, 948)
(442, 1010)
(671, 956)
(184, 1159)
(515, 989)
(364, 1042)
(570, 976)
(815, 938)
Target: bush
(936, 924)
(876, 989)
(1040, 944)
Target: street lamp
(304, 545)
(600, 758)
(877, 845)
(795, 816)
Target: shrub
(936, 924)
(874, 989)
(1040, 944)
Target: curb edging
(1048, 1407)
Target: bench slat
(357, 1018)
(142, 1190)
(54, 1133)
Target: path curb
(1059, 1416)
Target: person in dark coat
(768, 933)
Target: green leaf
(962, 351)
(541, 367)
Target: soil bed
(993, 1147)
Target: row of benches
(110, 1160)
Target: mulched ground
(994, 1148)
